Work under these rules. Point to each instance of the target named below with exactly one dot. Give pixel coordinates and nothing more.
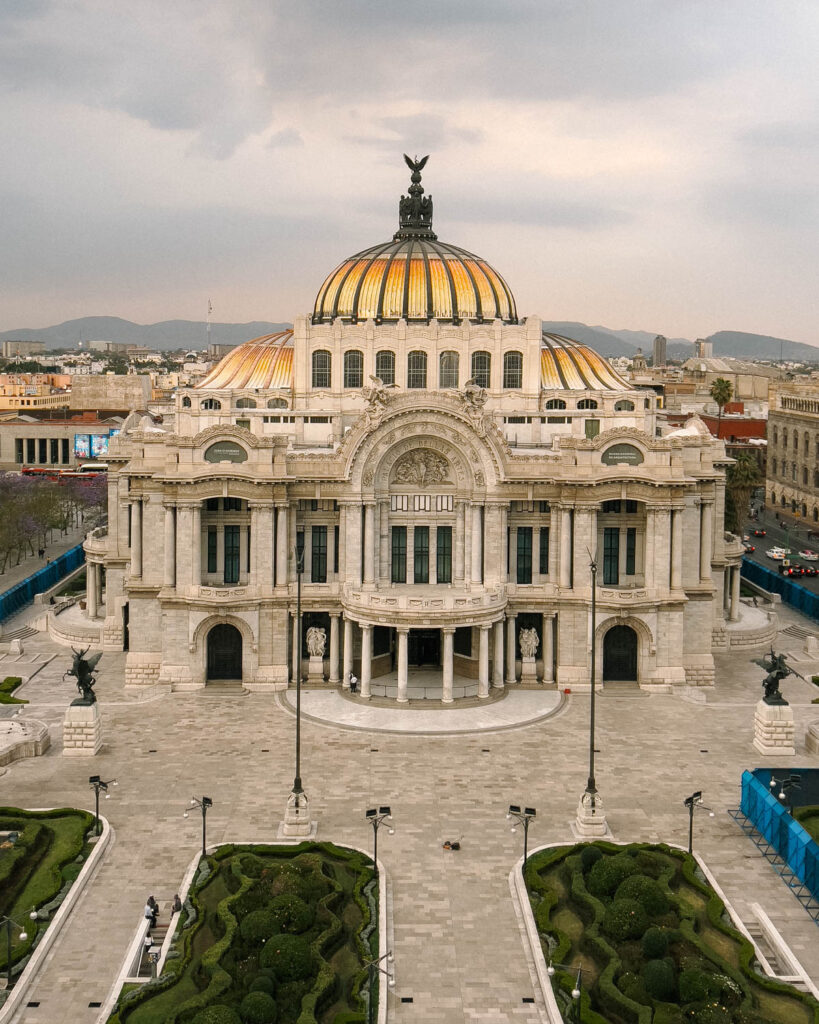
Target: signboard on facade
(225, 451)
(619, 453)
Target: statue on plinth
(774, 665)
(316, 641)
(529, 642)
(82, 669)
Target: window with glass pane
(421, 554)
(544, 551)
(353, 369)
(443, 567)
(524, 568)
(54, 450)
(385, 367)
(481, 368)
(322, 365)
(18, 449)
(448, 370)
(592, 428)
(399, 554)
(611, 555)
(318, 560)
(231, 554)
(64, 450)
(212, 550)
(417, 370)
(631, 550)
(300, 548)
(30, 450)
(512, 370)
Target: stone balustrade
(425, 603)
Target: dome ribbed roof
(566, 365)
(414, 276)
(265, 362)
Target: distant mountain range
(176, 334)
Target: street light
(204, 804)
(695, 800)
(786, 786)
(522, 817)
(373, 966)
(376, 817)
(99, 784)
(8, 922)
(297, 786)
(591, 819)
(577, 990)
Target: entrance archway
(620, 655)
(224, 647)
(424, 648)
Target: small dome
(265, 362)
(415, 277)
(568, 365)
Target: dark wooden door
(224, 652)
(424, 647)
(620, 654)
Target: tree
(722, 392)
(740, 481)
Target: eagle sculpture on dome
(416, 165)
(415, 209)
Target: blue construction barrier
(801, 598)
(23, 592)
(771, 819)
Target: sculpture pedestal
(812, 738)
(297, 817)
(315, 669)
(528, 670)
(774, 729)
(82, 732)
(590, 822)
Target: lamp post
(522, 817)
(98, 784)
(695, 800)
(786, 787)
(376, 817)
(591, 819)
(373, 968)
(577, 990)
(9, 922)
(204, 803)
(297, 813)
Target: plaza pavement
(457, 942)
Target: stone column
(662, 544)
(348, 654)
(136, 538)
(384, 542)
(366, 660)
(170, 547)
(676, 548)
(196, 545)
(403, 635)
(460, 541)
(548, 648)
(91, 589)
(369, 544)
(292, 538)
(331, 552)
(342, 543)
(510, 648)
(535, 553)
(706, 538)
(497, 668)
(503, 531)
(353, 554)
(477, 544)
(735, 576)
(565, 548)
(254, 536)
(449, 646)
(334, 647)
(651, 548)
(483, 662)
(281, 545)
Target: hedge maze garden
(269, 935)
(654, 941)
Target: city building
(792, 476)
(12, 349)
(427, 475)
(60, 442)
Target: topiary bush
(695, 985)
(659, 980)
(608, 874)
(217, 1014)
(655, 943)
(624, 919)
(258, 1008)
(258, 926)
(632, 985)
(712, 1013)
(589, 856)
(262, 983)
(291, 913)
(289, 956)
(646, 891)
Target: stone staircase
(224, 688)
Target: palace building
(428, 474)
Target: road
(792, 534)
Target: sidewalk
(31, 563)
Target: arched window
(782, 501)
(385, 366)
(793, 471)
(804, 510)
(245, 403)
(211, 403)
(647, 403)
(773, 467)
(796, 440)
(186, 402)
(807, 443)
(481, 368)
(785, 437)
(555, 403)
(587, 403)
(512, 370)
(353, 369)
(773, 497)
(417, 370)
(322, 368)
(276, 403)
(815, 514)
(624, 405)
(804, 476)
(775, 435)
(448, 370)
(816, 478)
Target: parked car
(808, 555)
(759, 533)
(777, 554)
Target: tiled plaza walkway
(457, 943)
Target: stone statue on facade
(529, 642)
(474, 399)
(82, 670)
(316, 641)
(774, 665)
(421, 467)
(376, 396)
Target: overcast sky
(647, 165)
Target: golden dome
(415, 277)
(566, 365)
(265, 362)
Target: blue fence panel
(22, 593)
(791, 593)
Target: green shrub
(262, 983)
(695, 985)
(589, 856)
(608, 873)
(291, 913)
(258, 1008)
(655, 943)
(289, 956)
(624, 919)
(646, 891)
(712, 1013)
(632, 985)
(658, 976)
(7, 687)
(258, 926)
(218, 1013)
